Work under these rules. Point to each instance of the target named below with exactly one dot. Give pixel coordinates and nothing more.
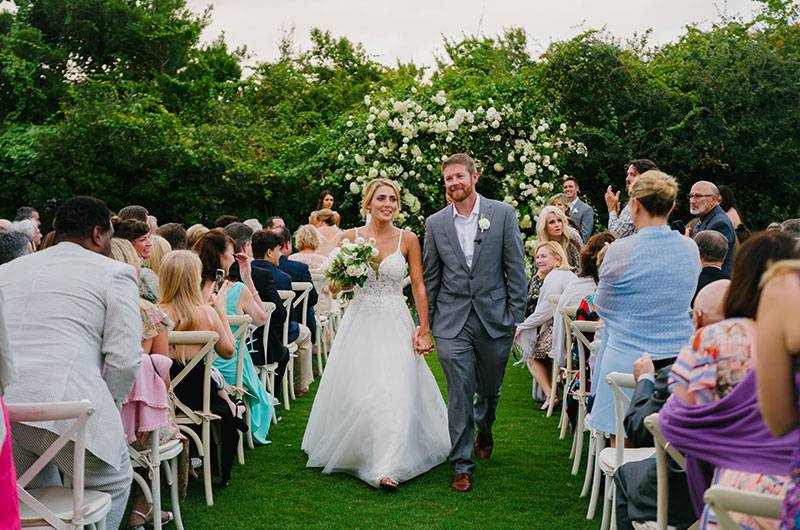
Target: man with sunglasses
(704, 199)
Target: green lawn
(526, 484)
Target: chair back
(568, 315)
(287, 297)
(40, 412)
(617, 381)
(580, 330)
(663, 448)
(242, 325)
(206, 340)
(304, 288)
(723, 500)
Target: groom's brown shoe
(462, 482)
(483, 446)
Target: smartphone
(678, 225)
(220, 277)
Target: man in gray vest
(475, 276)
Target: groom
(475, 277)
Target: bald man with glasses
(704, 199)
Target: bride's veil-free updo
(373, 185)
(656, 192)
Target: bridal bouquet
(349, 264)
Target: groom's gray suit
(473, 312)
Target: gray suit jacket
(583, 215)
(495, 284)
(75, 332)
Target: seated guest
(134, 211)
(138, 234)
(175, 234)
(6, 225)
(712, 247)
(194, 233)
(9, 508)
(267, 248)
(647, 281)
(704, 199)
(636, 482)
(183, 301)
(86, 331)
(30, 229)
(299, 272)
(535, 334)
(713, 365)
(791, 227)
(216, 251)
(328, 227)
(553, 225)
(274, 222)
(161, 248)
(778, 338)
(13, 245)
(307, 241)
(253, 224)
(561, 201)
(152, 223)
(224, 220)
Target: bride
(378, 413)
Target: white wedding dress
(378, 411)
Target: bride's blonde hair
(372, 186)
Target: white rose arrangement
(348, 265)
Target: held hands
(643, 365)
(422, 342)
(612, 200)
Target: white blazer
(75, 332)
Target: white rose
(354, 188)
(373, 172)
(359, 159)
(498, 166)
(349, 123)
(340, 157)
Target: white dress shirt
(466, 228)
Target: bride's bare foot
(389, 484)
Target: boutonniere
(483, 223)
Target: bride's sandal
(389, 484)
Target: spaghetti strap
(399, 240)
(356, 232)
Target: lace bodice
(384, 289)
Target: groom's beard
(459, 194)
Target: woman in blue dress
(216, 251)
(646, 286)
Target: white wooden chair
(185, 416)
(153, 460)
(62, 508)
(612, 458)
(325, 319)
(567, 315)
(266, 372)
(553, 299)
(302, 292)
(723, 500)
(580, 331)
(663, 450)
(288, 378)
(239, 391)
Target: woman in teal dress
(216, 251)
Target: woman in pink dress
(328, 227)
(307, 241)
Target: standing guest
(704, 202)
(194, 233)
(9, 508)
(224, 220)
(655, 264)
(713, 248)
(138, 234)
(299, 272)
(535, 333)
(778, 337)
(175, 234)
(267, 249)
(85, 343)
(325, 200)
(579, 211)
(307, 241)
(161, 248)
(274, 222)
(253, 224)
(552, 225)
(728, 205)
(134, 211)
(328, 228)
(620, 222)
(13, 245)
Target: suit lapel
(485, 211)
(452, 237)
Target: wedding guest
(552, 225)
(656, 263)
(535, 334)
(328, 228)
(325, 200)
(161, 248)
(9, 508)
(6, 225)
(28, 212)
(620, 222)
(299, 272)
(183, 301)
(152, 223)
(720, 356)
(13, 245)
(704, 199)
(774, 226)
(579, 211)
(216, 251)
(134, 211)
(778, 336)
(560, 200)
(253, 224)
(728, 205)
(175, 234)
(30, 229)
(713, 248)
(48, 240)
(307, 240)
(194, 233)
(138, 234)
(274, 222)
(224, 220)
(791, 227)
(85, 343)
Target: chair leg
(553, 389)
(155, 487)
(564, 419)
(577, 439)
(240, 449)
(207, 463)
(597, 477)
(171, 472)
(286, 390)
(587, 480)
(605, 522)
(290, 373)
(572, 448)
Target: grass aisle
(526, 484)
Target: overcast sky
(413, 29)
